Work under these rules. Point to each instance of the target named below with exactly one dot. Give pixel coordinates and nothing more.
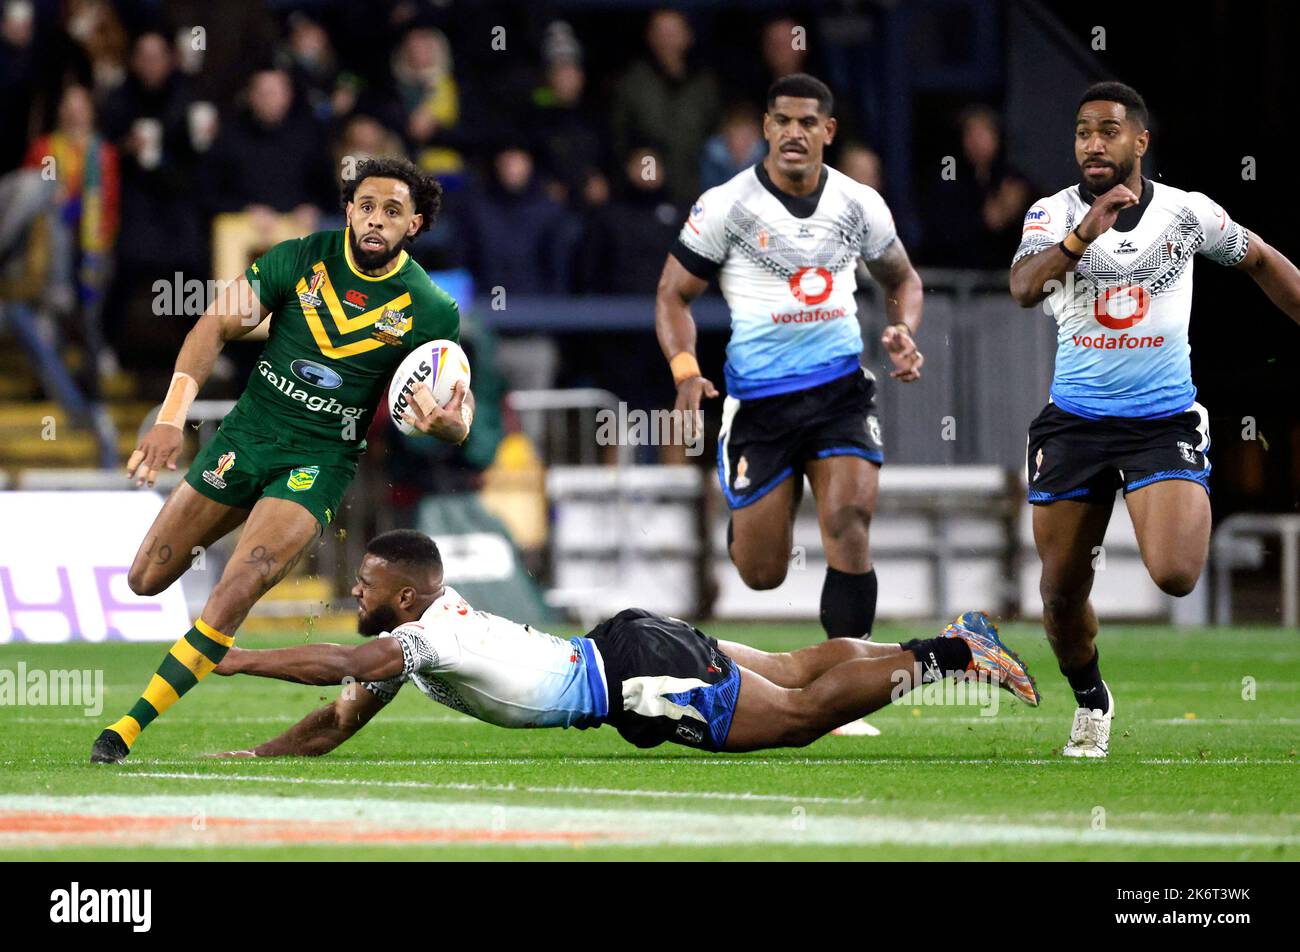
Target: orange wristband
(684, 366)
(1074, 244)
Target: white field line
(739, 796)
(726, 795)
(620, 827)
(1234, 721)
(918, 721)
(719, 760)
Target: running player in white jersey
(652, 678)
(1112, 256)
(783, 239)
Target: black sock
(1089, 692)
(939, 657)
(848, 604)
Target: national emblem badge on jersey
(697, 213)
(391, 327)
(303, 478)
(213, 476)
(741, 481)
(309, 296)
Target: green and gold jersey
(336, 336)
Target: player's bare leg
(187, 519)
(846, 488)
(1069, 536)
(770, 715)
(1172, 522)
(797, 669)
(275, 537)
(762, 536)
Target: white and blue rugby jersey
(785, 265)
(1122, 316)
(498, 671)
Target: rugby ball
(440, 365)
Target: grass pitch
(1203, 765)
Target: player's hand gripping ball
(430, 384)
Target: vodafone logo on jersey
(811, 285)
(1122, 307)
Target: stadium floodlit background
(571, 139)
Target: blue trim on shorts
(740, 502)
(716, 703)
(874, 456)
(1201, 476)
(1160, 409)
(752, 388)
(1037, 496)
(595, 682)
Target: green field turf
(1196, 772)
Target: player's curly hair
(426, 191)
(802, 86)
(406, 545)
(1135, 107)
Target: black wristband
(1067, 252)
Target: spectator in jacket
(664, 100)
(517, 237)
(736, 146)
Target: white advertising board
(64, 558)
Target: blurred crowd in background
(559, 178)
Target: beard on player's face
(1112, 172)
(367, 257)
(377, 619)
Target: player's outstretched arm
(233, 313)
(323, 729)
(904, 296)
(1275, 274)
(675, 328)
(376, 660)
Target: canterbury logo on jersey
(342, 324)
(311, 401)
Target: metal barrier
(943, 536)
(545, 415)
(1231, 549)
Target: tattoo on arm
(892, 267)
